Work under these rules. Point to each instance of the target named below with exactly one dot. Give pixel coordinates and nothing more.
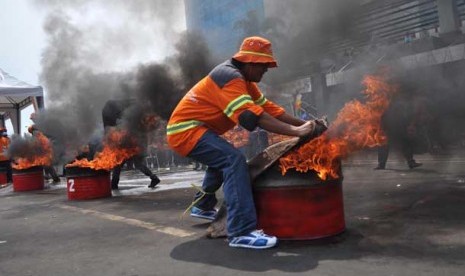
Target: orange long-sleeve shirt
(4, 143)
(215, 103)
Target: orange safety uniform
(215, 103)
(4, 143)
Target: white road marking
(134, 222)
(2, 242)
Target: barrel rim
(84, 172)
(322, 183)
(33, 169)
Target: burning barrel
(85, 183)
(298, 206)
(28, 179)
(3, 175)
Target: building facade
(407, 34)
(224, 23)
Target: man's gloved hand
(321, 125)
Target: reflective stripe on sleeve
(261, 100)
(180, 127)
(236, 104)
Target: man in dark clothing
(199, 166)
(398, 122)
(112, 114)
(49, 171)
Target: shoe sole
(202, 217)
(235, 245)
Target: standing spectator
(400, 122)
(5, 162)
(199, 166)
(112, 114)
(48, 170)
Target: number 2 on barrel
(71, 185)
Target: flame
(43, 157)
(118, 146)
(357, 126)
(237, 136)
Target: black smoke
(304, 33)
(28, 147)
(100, 50)
(164, 84)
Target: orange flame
(357, 126)
(43, 159)
(237, 136)
(118, 146)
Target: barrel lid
(29, 170)
(273, 178)
(80, 172)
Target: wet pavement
(399, 222)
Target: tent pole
(40, 102)
(18, 118)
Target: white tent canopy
(15, 95)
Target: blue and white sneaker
(256, 239)
(199, 213)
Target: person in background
(49, 171)
(199, 166)
(163, 152)
(5, 162)
(400, 121)
(227, 96)
(112, 113)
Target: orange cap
(256, 49)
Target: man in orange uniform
(228, 96)
(5, 161)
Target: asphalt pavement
(398, 222)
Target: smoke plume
(99, 50)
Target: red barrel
(298, 206)
(87, 184)
(3, 176)
(28, 179)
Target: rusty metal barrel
(85, 183)
(3, 175)
(28, 179)
(298, 206)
